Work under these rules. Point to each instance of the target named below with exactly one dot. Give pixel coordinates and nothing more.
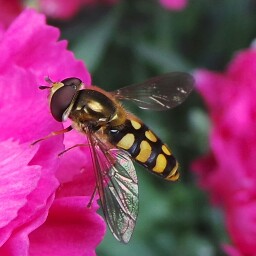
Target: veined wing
(158, 93)
(117, 186)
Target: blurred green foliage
(135, 40)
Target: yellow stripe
(135, 124)
(160, 163)
(151, 136)
(145, 152)
(166, 150)
(127, 141)
(95, 106)
(174, 175)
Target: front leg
(75, 146)
(52, 134)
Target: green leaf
(165, 59)
(94, 41)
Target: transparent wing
(118, 188)
(158, 93)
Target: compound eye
(61, 100)
(72, 81)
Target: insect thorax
(94, 109)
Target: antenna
(43, 87)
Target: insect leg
(77, 145)
(92, 197)
(52, 134)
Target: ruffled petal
(175, 5)
(71, 229)
(229, 172)
(25, 117)
(18, 180)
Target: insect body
(116, 137)
(145, 148)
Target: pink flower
(66, 9)
(43, 197)
(175, 5)
(9, 10)
(57, 9)
(228, 172)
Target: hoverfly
(116, 138)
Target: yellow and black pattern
(146, 148)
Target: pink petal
(243, 68)
(231, 176)
(71, 229)
(40, 193)
(60, 9)
(215, 89)
(35, 42)
(22, 92)
(9, 10)
(18, 243)
(76, 172)
(241, 223)
(26, 118)
(174, 4)
(17, 181)
(231, 251)
(26, 107)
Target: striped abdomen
(146, 148)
